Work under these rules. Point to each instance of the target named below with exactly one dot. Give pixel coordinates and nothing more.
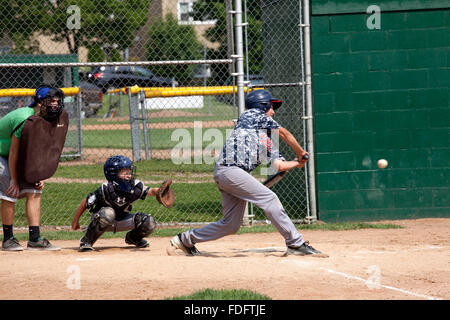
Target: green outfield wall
(381, 90)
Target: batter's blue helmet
(111, 169)
(261, 99)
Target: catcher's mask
(261, 99)
(111, 169)
(45, 95)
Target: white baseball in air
(382, 163)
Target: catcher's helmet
(261, 99)
(42, 93)
(111, 169)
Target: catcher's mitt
(165, 195)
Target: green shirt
(14, 120)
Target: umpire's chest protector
(41, 145)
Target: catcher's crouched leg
(98, 225)
(144, 226)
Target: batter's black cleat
(11, 245)
(138, 243)
(303, 250)
(178, 244)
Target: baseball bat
(274, 179)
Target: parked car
(202, 71)
(255, 80)
(8, 104)
(91, 98)
(127, 76)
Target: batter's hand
(302, 162)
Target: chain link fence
(158, 83)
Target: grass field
(210, 294)
(197, 196)
(212, 110)
(60, 200)
(158, 138)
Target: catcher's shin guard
(144, 226)
(100, 222)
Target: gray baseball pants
(237, 187)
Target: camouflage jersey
(250, 143)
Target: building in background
(43, 44)
(178, 8)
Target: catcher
(111, 205)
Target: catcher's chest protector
(118, 202)
(41, 145)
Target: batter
(249, 145)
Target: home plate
(171, 251)
(85, 259)
(268, 249)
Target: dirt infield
(99, 155)
(408, 263)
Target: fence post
(240, 77)
(80, 123)
(120, 103)
(144, 121)
(135, 126)
(309, 115)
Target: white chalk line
(381, 285)
(397, 251)
(365, 281)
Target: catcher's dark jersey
(107, 196)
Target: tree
(96, 53)
(19, 21)
(170, 41)
(77, 22)
(216, 10)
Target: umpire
(48, 104)
(248, 145)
